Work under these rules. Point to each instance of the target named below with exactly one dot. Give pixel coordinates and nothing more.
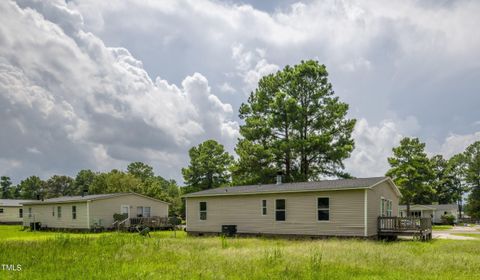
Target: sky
(99, 84)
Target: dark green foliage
(444, 181)
(60, 186)
(6, 186)
(140, 170)
(31, 187)
(293, 123)
(448, 219)
(209, 167)
(120, 217)
(411, 171)
(84, 180)
(472, 178)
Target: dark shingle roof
(79, 198)
(438, 207)
(325, 185)
(13, 202)
(63, 199)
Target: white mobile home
(11, 211)
(434, 211)
(347, 207)
(91, 211)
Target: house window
(59, 212)
(203, 210)
(264, 207)
(389, 208)
(74, 212)
(323, 207)
(146, 212)
(1, 210)
(416, 213)
(20, 213)
(386, 208)
(53, 211)
(280, 210)
(124, 209)
(139, 211)
(30, 212)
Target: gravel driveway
(449, 234)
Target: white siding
(43, 213)
(375, 195)
(346, 214)
(10, 214)
(103, 209)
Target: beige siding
(103, 209)
(10, 214)
(375, 195)
(44, 215)
(346, 214)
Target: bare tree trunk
(408, 209)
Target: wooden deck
(151, 222)
(392, 227)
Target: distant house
(89, 211)
(435, 211)
(347, 207)
(11, 211)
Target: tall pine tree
(295, 124)
(411, 171)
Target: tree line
(139, 177)
(293, 124)
(425, 180)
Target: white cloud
(373, 145)
(69, 102)
(456, 143)
(251, 66)
(226, 88)
(397, 64)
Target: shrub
(448, 219)
(120, 217)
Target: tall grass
(131, 256)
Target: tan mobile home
(11, 211)
(91, 211)
(347, 207)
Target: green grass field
(47, 255)
(442, 227)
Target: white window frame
(74, 213)
(2, 211)
(53, 211)
(382, 207)
(284, 210)
(329, 216)
(59, 212)
(389, 208)
(20, 212)
(262, 207)
(386, 207)
(149, 211)
(142, 213)
(202, 211)
(128, 209)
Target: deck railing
(399, 224)
(153, 222)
